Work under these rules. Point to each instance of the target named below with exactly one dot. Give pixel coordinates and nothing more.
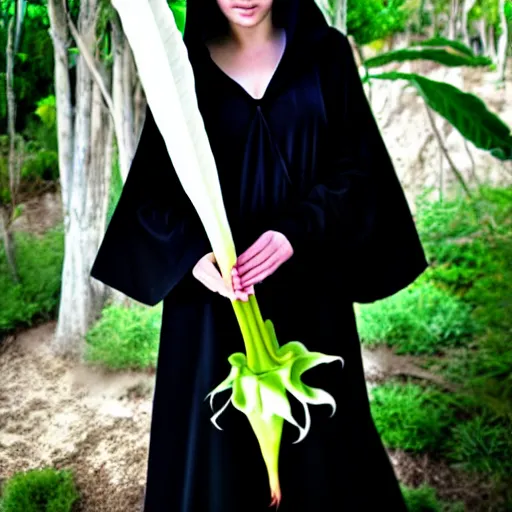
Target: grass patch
(421, 319)
(411, 417)
(424, 499)
(39, 263)
(125, 338)
(467, 242)
(39, 490)
(482, 444)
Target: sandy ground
(55, 412)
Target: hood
(301, 19)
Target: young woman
(320, 222)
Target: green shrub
(411, 417)
(125, 338)
(483, 370)
(421, 499)
(42, 165)
(482, 444)
(424, 499)
(421, 319)
(5, 191)
(116, 187)
(39, 263)
(462, 238)
(39, 490)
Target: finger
(261, 276)
(243, 296)
(256, 260)
(237, 283)
(209, 281)
(262, 267)
(254, 249)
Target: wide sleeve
(155, 236)
(355, 221)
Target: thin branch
(473, 165)
(453, 167)
(96, 75)
(89, 60)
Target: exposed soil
(40, 213)
(55, 412)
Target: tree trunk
(100, 171)
(65, 135)
(466, 7)
(14, 169)
(118, 95)
(340, 15)
(491, 44)
(335, 12)
(7, 238)
(140, 108)
(452, 27)
(502, 43)
(84, 209)
(129, 83)
(480, 24)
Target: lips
(245, 9)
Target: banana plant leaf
(442, 42)
(445, 56)
(465, 111)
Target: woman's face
(245, 13)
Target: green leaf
(446, 57)
(466, 112)
(179, 10)
(443, 42)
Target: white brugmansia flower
(260, 378)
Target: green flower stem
(261, 356)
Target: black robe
(306, 160)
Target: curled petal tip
(276, 498)
(213, 419)
(215, 424)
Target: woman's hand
(206, 272)
(262, 259)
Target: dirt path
(53, 412)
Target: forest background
(77, 359)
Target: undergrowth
(39, 490)
(125, 338)
(421, 319)
(39, 265)
(410, 417)
(424, 499)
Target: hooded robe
(307, 159)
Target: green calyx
(260, 381)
